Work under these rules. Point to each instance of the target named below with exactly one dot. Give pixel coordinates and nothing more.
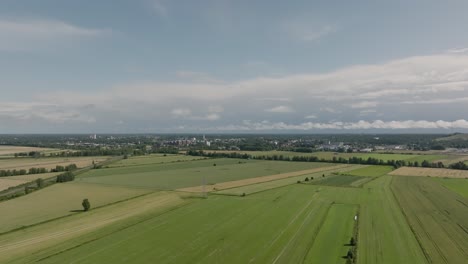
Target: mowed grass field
(170, 176)
(58, 200)
(438, 217)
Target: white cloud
(311, 117)
(460, 50)
(306, 30)
(248, 125)
(364, 104)
(329, 110)
(181, 112)
(21, 34)
(280, 109)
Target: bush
(86, 205)
(214, 164)
(298, 181)
(306, 179)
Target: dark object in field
(86, 205)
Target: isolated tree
(214, 164)
(352, 242)
(40, 183)
(323, 175)
(306, 179)
(350, 254)
(86, 205)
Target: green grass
(254, 188)
(56, 201)
(153, 159)
(384, 235)
(192, 235)
(459, 186)
(371, 171)
(328, 248)
(339, 180)
(191, 173)
(437, 216)
(282, 225)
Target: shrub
(86, 205)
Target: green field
(401, 219)
(56, 201)
(192, 173)
(371, 171)
(254, 188)
(153, 159)
(459, 186)
(329, 248)
(438, 217)
(339, 180)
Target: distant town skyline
(221, 66)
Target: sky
(233, 66)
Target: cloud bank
(421, 92)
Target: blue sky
(233, 66)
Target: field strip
(88, 221)
(7, 183)
(432, 172)
(239, 183)
(295, 235)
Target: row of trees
(459, 166)
(350, 160)
(58, 168)
(66, 177)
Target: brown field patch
(432, 172)
(239, 183)
(6, 150)
(6, 183)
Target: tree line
(58, 168)
(350, 160)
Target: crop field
(259, 187)
(459, 186)
(8, 150)
(331, 249)
(7, 183)
(48, 163)
(294, 232)
(139, 214)
(257, 180)
(153, 159)
(438, 217)
(339, 180)
(172, 176)
(329, 155)
(430, 172)
(56, 201)
(31, 177)
(371, 171)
